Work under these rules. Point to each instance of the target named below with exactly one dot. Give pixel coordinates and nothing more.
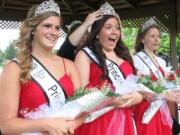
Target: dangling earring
(97, 37)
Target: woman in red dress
(105, 44)
(37, 77)
(147, 63)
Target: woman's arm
(73, 73)
(9, 105)
(173, 95)
(82, 62)
(75, 37)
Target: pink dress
(32, 96)
(101, 124)
(156, 125)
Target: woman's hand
(129, 100)
(173, 95)
(149, 96)
(92, 17)
(76, 123)
(59, 126)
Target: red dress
(31, 96)
(156, 125)
(101, 124)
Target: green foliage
(178, 44)
(129, 37)
(1, 56)
(165, 44)
(10, 52)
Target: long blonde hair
(24, 44)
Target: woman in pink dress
(37, 77)
(146, 63)
(105, 45)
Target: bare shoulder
(81, 55)
(11, 68)
(10, 75)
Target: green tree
(10, 52)
(1, 57)
(129, 37)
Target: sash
(157, 104)
(50, 86)
(150, 64)
(115, 75)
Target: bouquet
(89, 101)
(177, 76)
(92, 102)
(155, 87)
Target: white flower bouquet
(153, 87)
(92, 102)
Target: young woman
(105, 58)
(37, 77)
(147, 63)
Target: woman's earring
(97, 37)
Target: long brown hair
(24, 42)
(93, 43)
(139, 45)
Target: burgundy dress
(156, 126)
(101, 124)
(32, 96)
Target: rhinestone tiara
(148, 24)
(107, 9)
(47, 6)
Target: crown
(47, 6)
(148, 24)
(107, 9)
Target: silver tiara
(148, 24)
(47, 6)
(107, 9)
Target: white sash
(48, 84)
(115, 74)
(150, 64)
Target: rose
(153, 77)
(171, 77)
(178, 72)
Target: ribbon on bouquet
(153, 108)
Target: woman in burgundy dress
(147, 63)
(37, 77)
(105, 58)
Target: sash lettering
(150, 64)
(115, 74)
(48, 84)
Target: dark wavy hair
(139, 45)
(93, 43)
